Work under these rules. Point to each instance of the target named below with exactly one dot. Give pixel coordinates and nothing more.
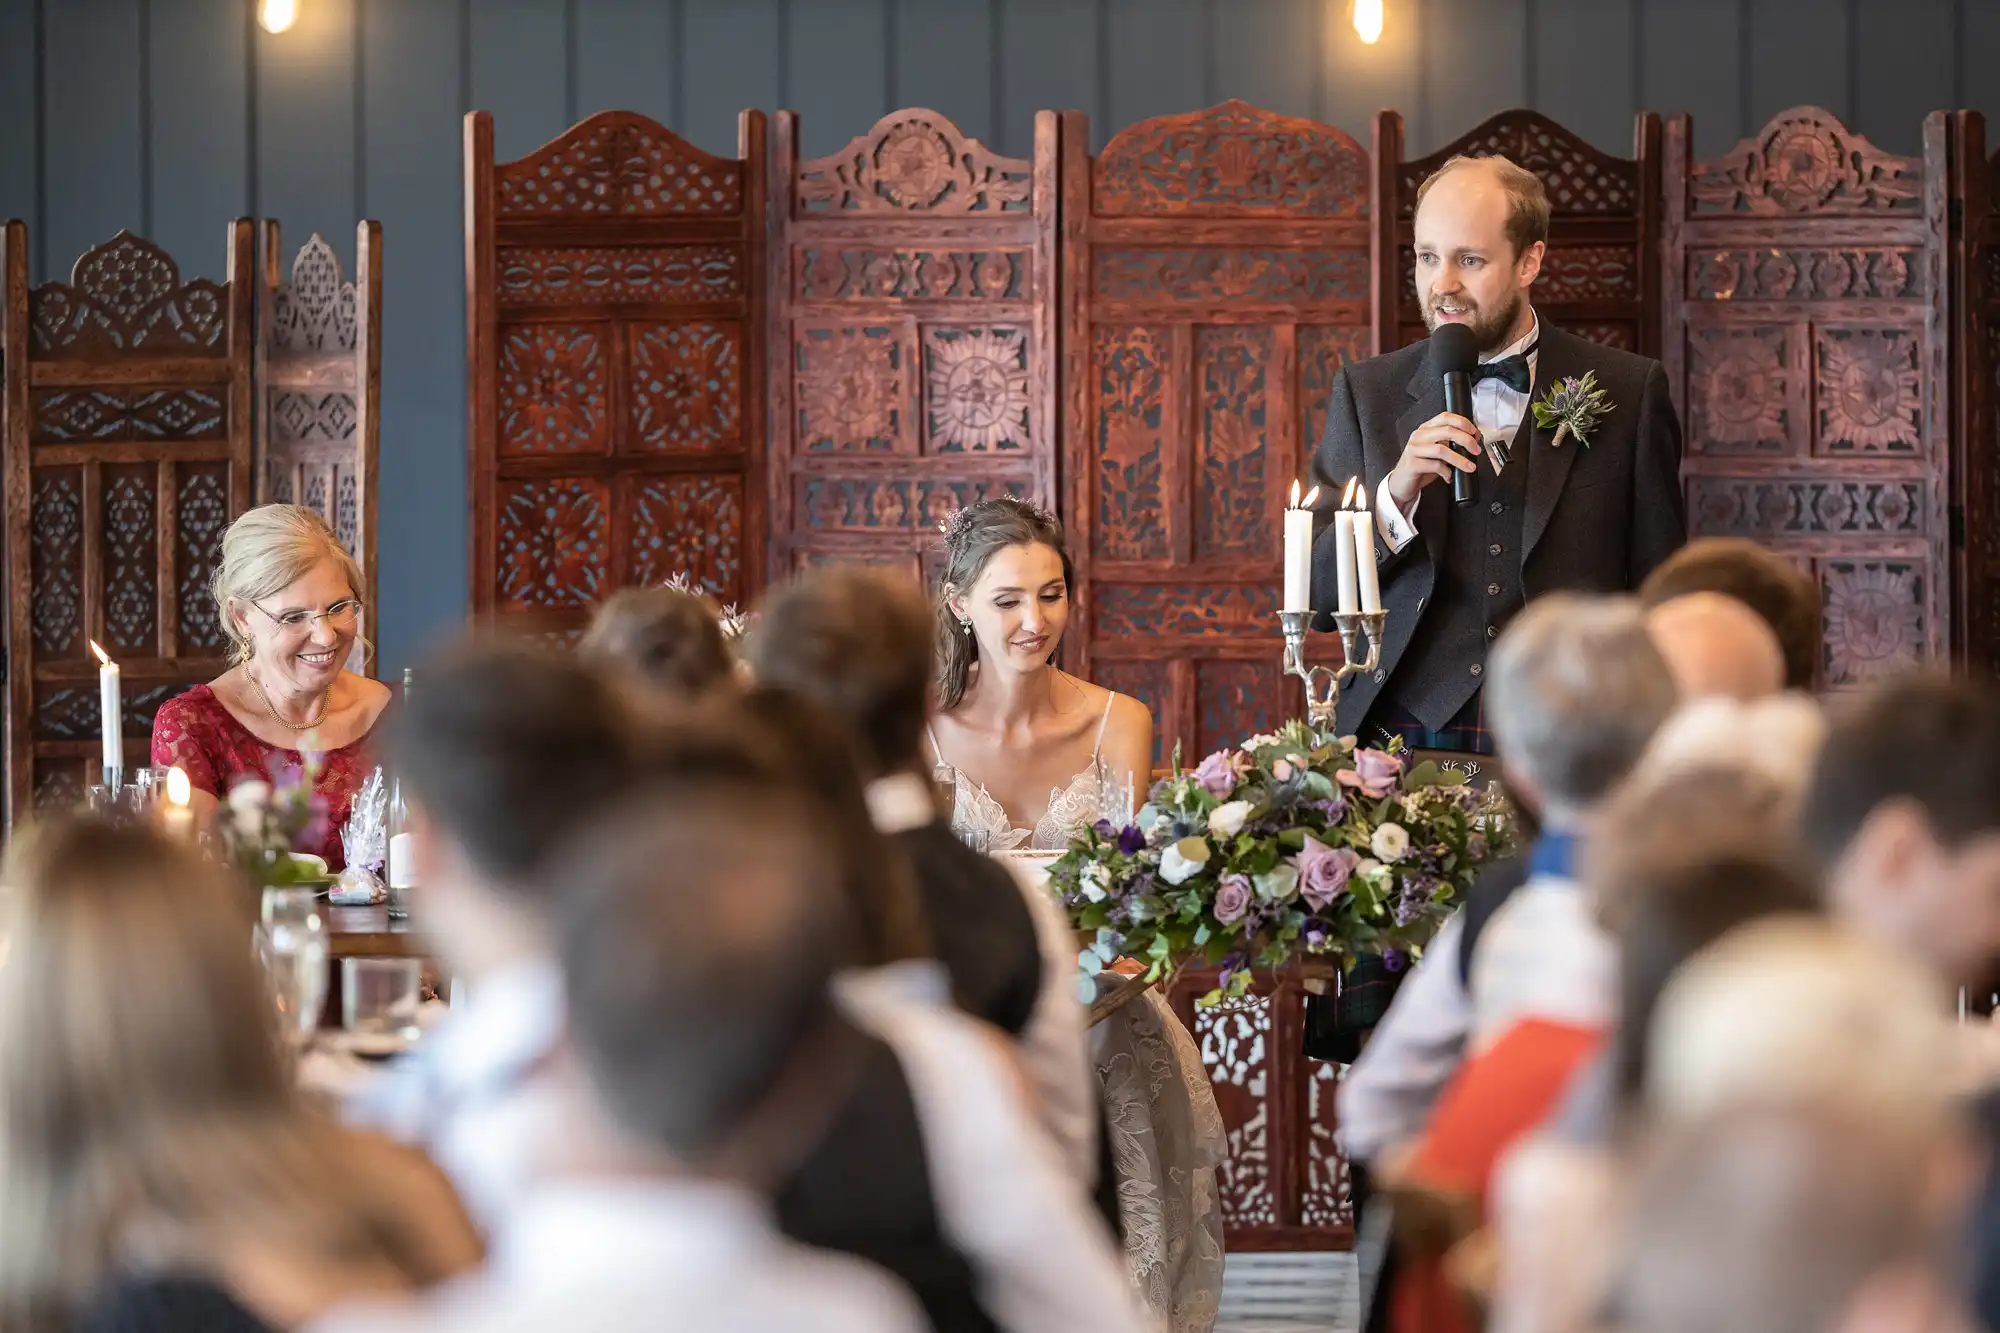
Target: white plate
(370, 1045)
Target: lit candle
(1298, 552)
(177, 816)
(1343, 549)
(112, 711)
(1364, 553)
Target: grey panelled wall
(172, 116)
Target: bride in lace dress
(1029, 754)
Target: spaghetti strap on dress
(979, 819)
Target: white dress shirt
(470, 1096)
(1542, 955)
(583, 1255)
(1496, 409)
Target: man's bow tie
(1509, 370)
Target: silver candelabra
(1323, 684)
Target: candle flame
(179, 790)
(102, 656)
(1311, 496)
(1347, 496)
(1295, 496)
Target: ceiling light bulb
(1368, 20)
(278, 15)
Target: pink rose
(1374, 773)
(1232, 899)
(1218, 773)
(1324, 872)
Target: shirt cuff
(1397, 528)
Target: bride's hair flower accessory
(959, 522)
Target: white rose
(1177, 867)
(1227, 820)
(1391, 842)
(252, 794)
(1095, 882)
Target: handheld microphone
(1453, 354)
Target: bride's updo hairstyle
(971, 538)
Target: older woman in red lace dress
(289, 596)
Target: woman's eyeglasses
(341, 615)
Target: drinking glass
(379, 997)
(1114, 798)
(291, 940)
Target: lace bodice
(980, 820)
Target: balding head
(1716, 645)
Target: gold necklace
(272, 708)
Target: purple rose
(1218, 773)
(1323, 872)
(1131, 840)
(1374, 773)
(1232, 899)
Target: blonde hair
(1801, 1010)
(147, 1109)
(267, 550)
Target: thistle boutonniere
(1573, 407)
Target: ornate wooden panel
(127, 422)
(1284, 1185)
(1975, 373)
(1216, 274)
(615, 283)
(319, 387)
(914, 293)
(1601, 274)
(1807, 344)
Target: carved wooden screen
(914, 285)
(1216, 275)
(1601, 274)
(616, 326)
(1975, 372)
(1808, 350)
(319, 382)
(128, 425)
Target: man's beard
(1489, 330)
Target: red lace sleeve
(185, 734)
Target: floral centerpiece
(1293, 843)
(261, 822)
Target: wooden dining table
(369, 932)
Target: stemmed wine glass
(291, 941)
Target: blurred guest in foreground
(701, 937)
(1778, 1218)
(1904, 817)
(859, 643)
(289, 597)
(159, 1168)
(1717, 646)
(1553, 1191)
(666, 638)
(1575, 691)
(1783, 595)
(505, 752)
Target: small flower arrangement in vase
(261, 822)
(1291, 844)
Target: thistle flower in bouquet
(1292, 843)
(262, 821)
